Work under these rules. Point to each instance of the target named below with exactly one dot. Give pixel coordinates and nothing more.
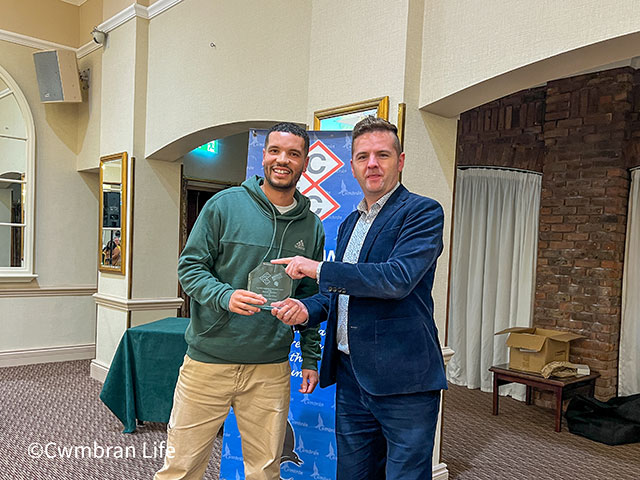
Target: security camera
(98, 36)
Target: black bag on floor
(614, 422)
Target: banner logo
(322, 164)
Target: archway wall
(252, 65)
(517, 45)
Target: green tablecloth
(144, 372)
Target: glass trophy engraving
(271, 281)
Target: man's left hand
(298, 267)
(309, 381)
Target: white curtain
(628, 372)
(495, 240)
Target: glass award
(271, 281)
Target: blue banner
(309, 449)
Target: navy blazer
(393, 339)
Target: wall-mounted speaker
(58, 79)
(111, 209)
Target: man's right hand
(243, 302)
(290, 311)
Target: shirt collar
(377, 206)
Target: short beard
(282, 188)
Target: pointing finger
(282, 261)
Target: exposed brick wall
(506, 132)
(585, 192)
(583, 136)
(633, 146)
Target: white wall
(117, 90)
(117, 125)
(259, 69)
(156, 223)
(468, 42)
(88, 147)
(357, 53)
(429, 144)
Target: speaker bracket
(85, 76)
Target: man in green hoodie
(237, 353)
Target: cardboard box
(532, 348)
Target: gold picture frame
(346, 116)
(113, 214)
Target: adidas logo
(299, 245)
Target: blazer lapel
(393, 204)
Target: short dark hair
(373, 124)
(292, 128)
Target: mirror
(13, 168)
(11, 220)
(113, 219)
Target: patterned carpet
(521, 443)
(55, 406)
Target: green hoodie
(233, 234)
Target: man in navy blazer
(381, 346)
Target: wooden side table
(563, 388)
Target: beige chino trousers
(259, 395)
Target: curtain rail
(494, 167)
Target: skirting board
(47, 355)
(98, 371)
(440, 472)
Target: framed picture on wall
(346, 116)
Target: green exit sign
(211, 147)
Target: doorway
(194, 194)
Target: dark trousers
(383, 436)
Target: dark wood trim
(187, 184)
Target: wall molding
(440, 472)
(132, 11)
(17, 277)
(30, 356)
(62, 291)
(136, 10)
(32, 42)
(160, 6)
(122, 17)
(137, 304)
(447, 353)
(98, 371)
(87, 48)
